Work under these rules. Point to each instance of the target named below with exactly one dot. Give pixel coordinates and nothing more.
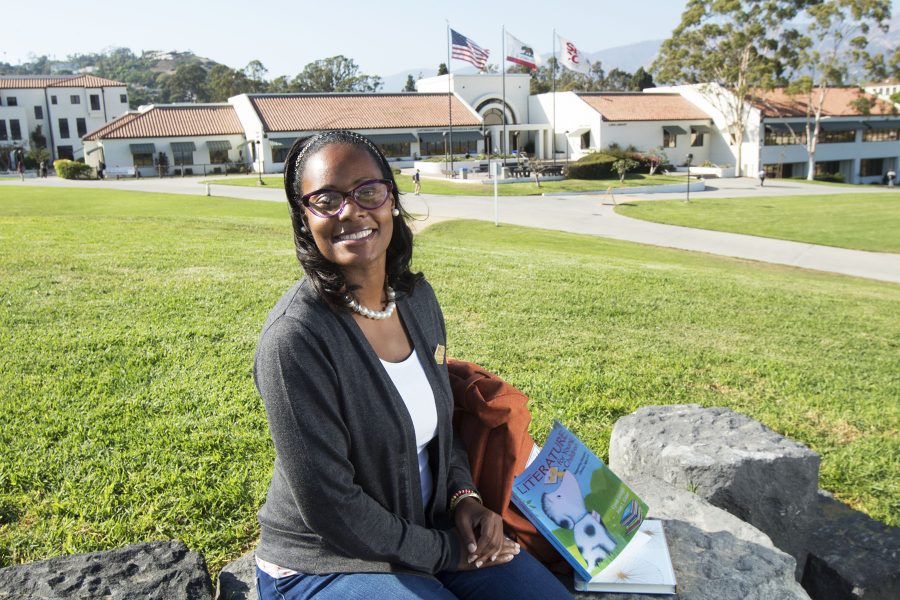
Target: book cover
(643, 567)
(577, 503)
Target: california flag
(521, 53)
(572, 58)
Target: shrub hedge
(70, 169)
(596, 165)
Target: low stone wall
(165, 570)
(738, 503)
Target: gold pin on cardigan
(439, 354)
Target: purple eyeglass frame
(304, 199)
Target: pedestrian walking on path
(891, 177)
(417, 180)
(762, 177)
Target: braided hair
(326, 277)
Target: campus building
(171, 139)
(405, 126)
(858, 140)
(683, 121)
(66, 108)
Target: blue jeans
(523, 578)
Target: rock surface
(237, 581)
(852, 557)
(730, 460)
(716, 556)
(164, 570)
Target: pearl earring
(303, 229)
(395, 212)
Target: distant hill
(627, 58)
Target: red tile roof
(172, 121)
(777, 103)
(317, 112)
(42, 81)
(642, 107)
(90, 81)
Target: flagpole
(449, 100)
(553, 70)
(503, 147)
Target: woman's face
(357, 239)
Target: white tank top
(410, 380)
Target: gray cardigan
(345, 493)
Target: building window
(64, 128)
(396, 149)
(12, 101)
(670, 140)
(182, 155)
(38, 112)
(696, 138)
(871, 167)
(75, 99)
(52, 99)
(585, 140)
(81, 126)
(95, 102)
(460, 147)
(837, 137)
(779, 137)
(279, 153)
(123, 98)
(65, 152)
(15, 130)
(143, 159)
(881, 135)
(431, 148)
(3, 135)
(217, 157)
(828, 167)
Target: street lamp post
(260, 163)
(690, 157)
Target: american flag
(467, 50)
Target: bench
(120, 172)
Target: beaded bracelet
(458, 496)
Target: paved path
(592, 215)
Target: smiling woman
(371, 492)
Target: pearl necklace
(358, 308)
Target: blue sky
(384, 38)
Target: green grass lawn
(453, 188)
(853, 220)
(128, 323)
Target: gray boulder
(237, 581)
(164, 570)
(730, 460)
(716, 556)
(851, 556)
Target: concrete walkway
(592, 215)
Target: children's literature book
(643, 567)
(577, 503)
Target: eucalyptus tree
(731, 48)
(335, 74)
(836, 39)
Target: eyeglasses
(368, 195)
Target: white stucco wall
(710, 99)
(117, 152)
(479, 88)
